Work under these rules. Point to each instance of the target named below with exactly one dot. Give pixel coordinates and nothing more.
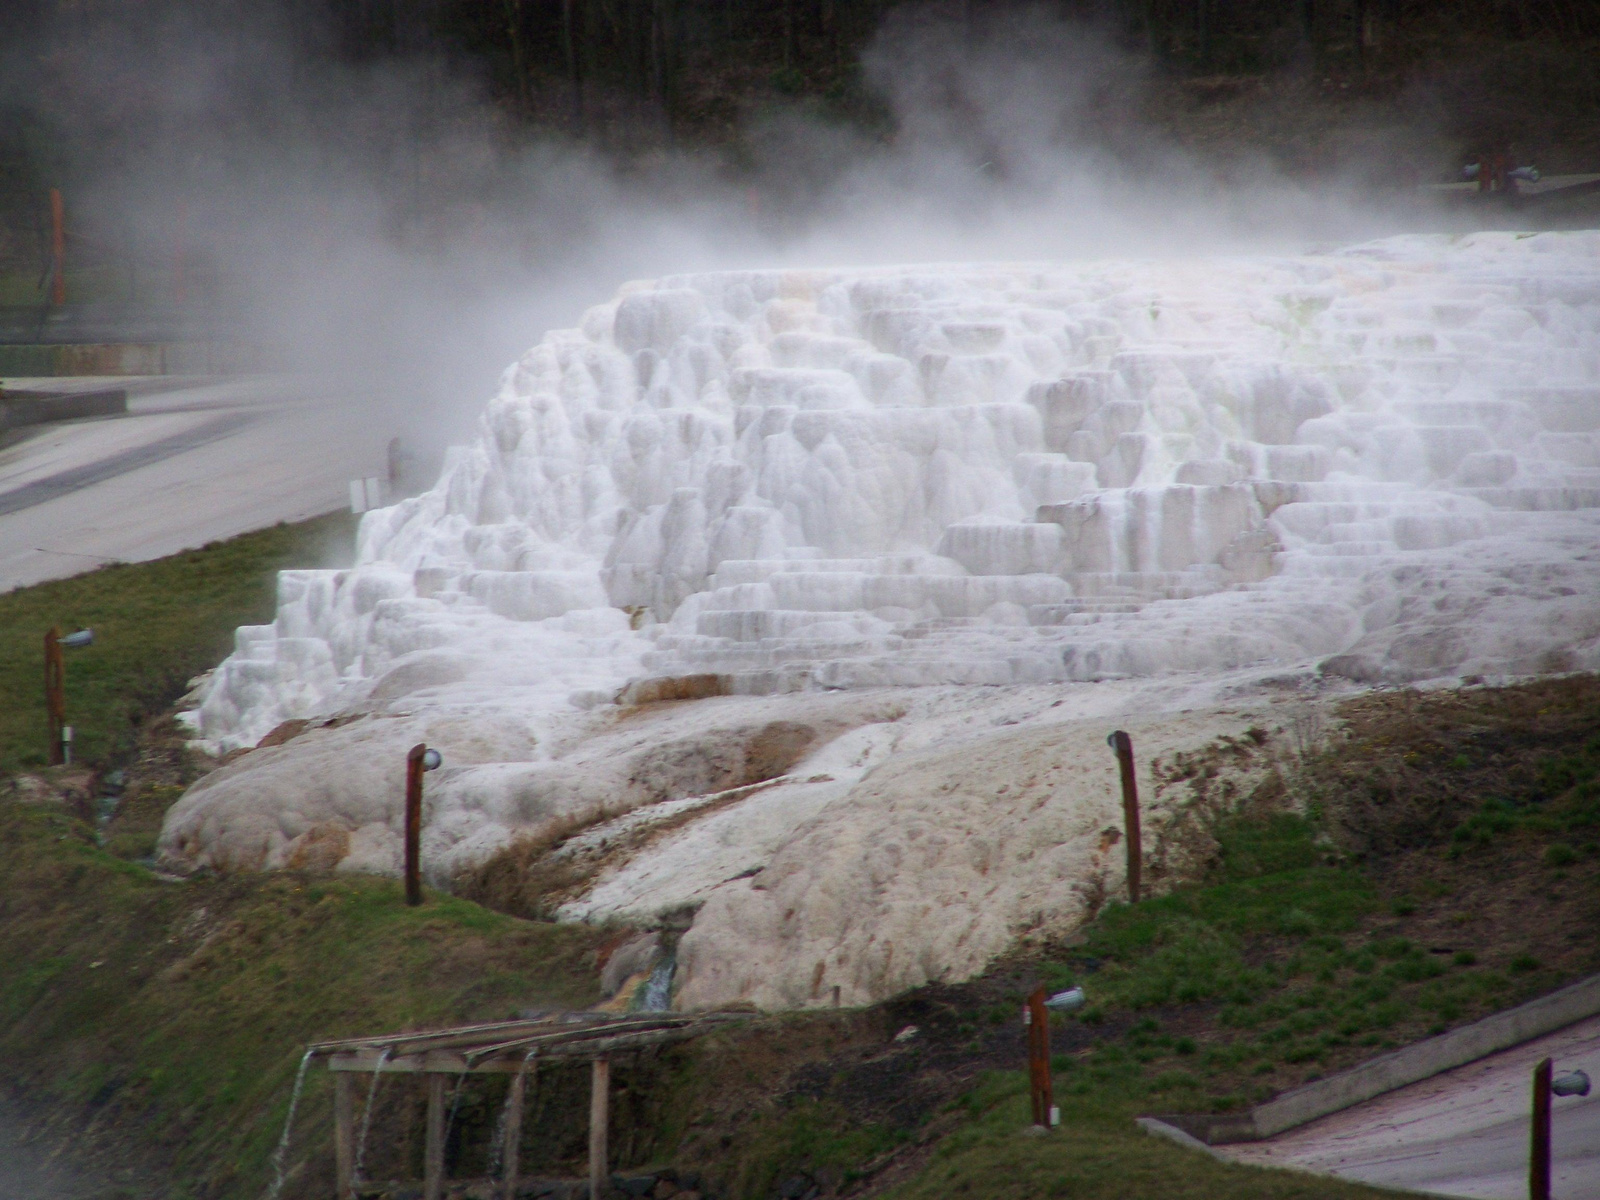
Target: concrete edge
(1420, 1060)
(52, 359)
(22, 408)
(1156, 1127)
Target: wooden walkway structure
(500, 1048)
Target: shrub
(1560, 855)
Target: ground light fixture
(1546, 1084)
(1573, 1083)
(55, 689)
(418, 760)
(1070, 1000)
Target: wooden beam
(599, 1122)
(446, 1062)
(512, 1153)
(344, 1135)
(507, 1034)
(433, 1153)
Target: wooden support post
(1038, 1018)
(599, 1120)
(58, 249)
(344, 1134)
(55, 694)
(433, 1151)
(513, 1136)
(1539, 1139)
(1123, 745)
(414, 770)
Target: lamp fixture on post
(55, 690)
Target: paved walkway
(193, 461)
(1462, 1133)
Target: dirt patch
(1408, 766)
(321, 848)
(536, 874)
(282, 733)
(699, 766)
(136, 797)
(671, 688)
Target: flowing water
(497, 1147)
(281, 1154)
(366, 1116)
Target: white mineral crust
(847, 496)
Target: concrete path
(1462, 1133)
(194, 460)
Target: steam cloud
(382, 220)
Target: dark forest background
(1387, 90)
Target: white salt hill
(829, 504)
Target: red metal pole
(58, 249)
(179, 291)
(1123, 745)
(1039, 1058)
(414, 769)
(1539, 1141)
(55, 694)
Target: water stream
(658, 988)
(497, 1146)
(281, 1154)
(366, 1117)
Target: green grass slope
(174, 1014)
(156, 625)
(1437, 861)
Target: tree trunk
(519, 62)
(569, 45)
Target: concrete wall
(1398, 1068)
(131, 358)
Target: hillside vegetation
(1434, 857)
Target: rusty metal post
(55, 694)
(1539, 1138)
(58, 249)
(1123, 745)
(414, 769)
(1038, 1020)
(180, 292)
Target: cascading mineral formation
(840, 499)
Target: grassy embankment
(156, 625)
(85, 285)
(1438, 861)
(1444, 865)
